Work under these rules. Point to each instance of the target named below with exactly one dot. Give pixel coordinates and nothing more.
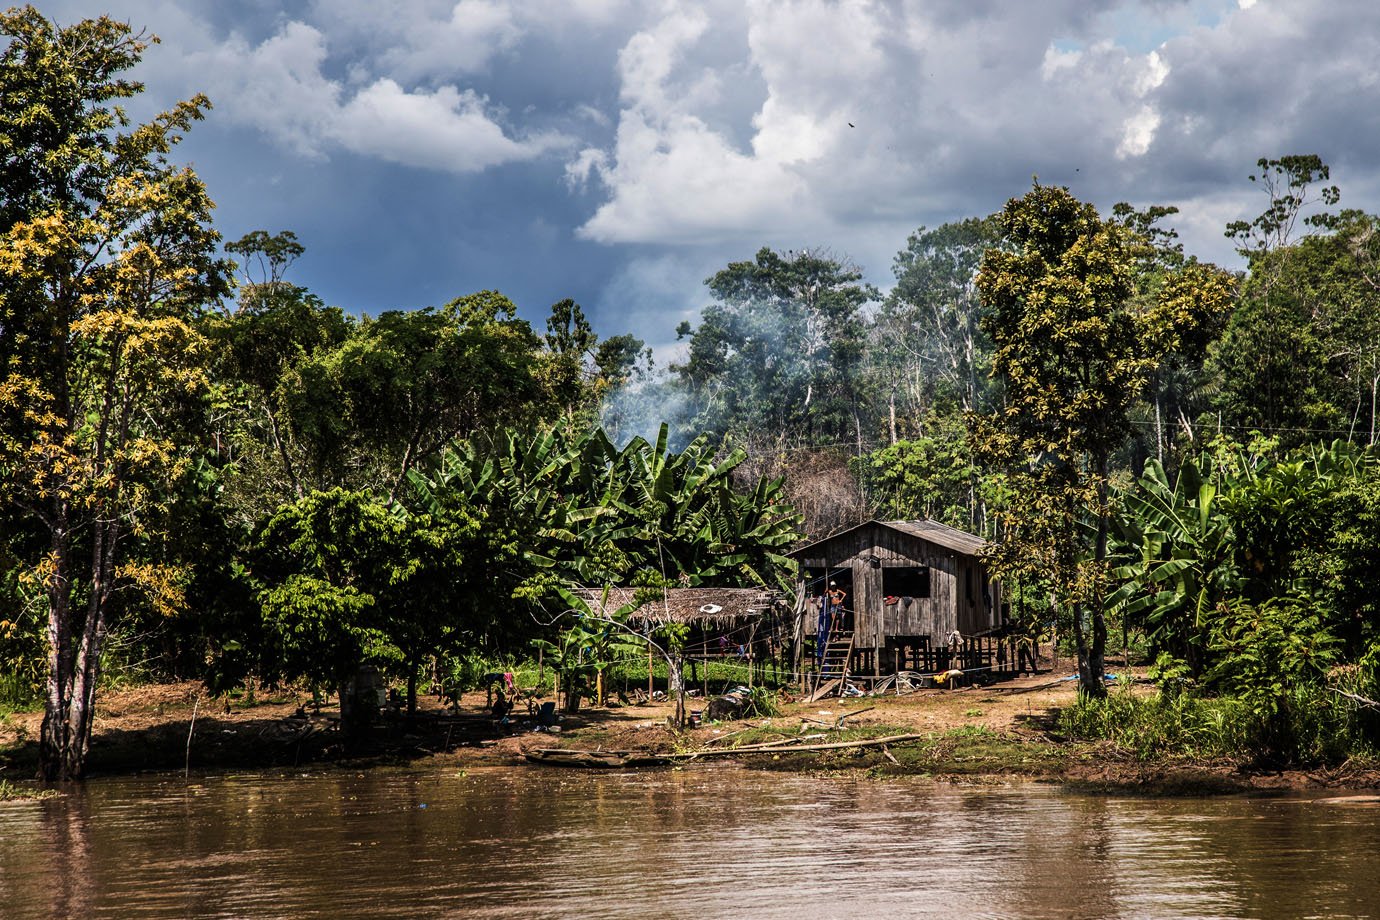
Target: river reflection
(704, 842)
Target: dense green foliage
(107, 260)
(232, 484)
(1253, 576)
(1081, 312)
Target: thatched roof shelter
(707, 608)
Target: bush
(761, 702)
(1177, 725)
(1309, 725)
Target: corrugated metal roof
(946, 536)
(942, 534)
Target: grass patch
(1161, 725)
(1311, 727)
(970, 750)
(976, 749)
(9, 792)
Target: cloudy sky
(619, 151)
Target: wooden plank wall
(950, 605)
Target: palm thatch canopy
(713, 608)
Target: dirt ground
(148, 727)
(178, 727)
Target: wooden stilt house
(909, 587)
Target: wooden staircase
(832, 676)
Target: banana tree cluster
(591, 513)
(1173, 556)
(1236, 530)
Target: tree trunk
(74, 662)
(55, 731)
(359, 701)
(676, 680)
(1374, 388)
(1054, 631)
(288, 466)
(862, 479)
(1091, 657)
(891, 415)
(411, 688)
(1159, 431)
(572, 696)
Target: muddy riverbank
(977, 734)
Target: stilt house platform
(910, 585)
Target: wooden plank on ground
(824, 690)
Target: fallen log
(565, 757)
(1357, 699)
(778, 747)
(838, 722)
(600, 760)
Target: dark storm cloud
(618, 151)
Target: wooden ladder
(833, 670)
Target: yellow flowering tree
(107, 255)
(1081, 310)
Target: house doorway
(844, 619)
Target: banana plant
(1173, 556)
(597, 514)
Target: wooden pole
(651, 672)
(752, 640)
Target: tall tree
(107, 256)
(603, 369)
(1271, 352)
(331, 570)
(416, 380)
(317, 400)
(927, 331)
(1078, 323)
(779, 350)
(1303, 348)
(280, 425)
(933, 360)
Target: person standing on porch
(836, 596)
(830, 612)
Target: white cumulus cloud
(447, 129)
(280, 87)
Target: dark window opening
(906, 582)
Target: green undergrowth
(623, 676)
(1160, 725)
(9, 792)
(1305, 727)
(968, 750)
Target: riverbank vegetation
(208, 473)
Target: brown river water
(720, 841)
